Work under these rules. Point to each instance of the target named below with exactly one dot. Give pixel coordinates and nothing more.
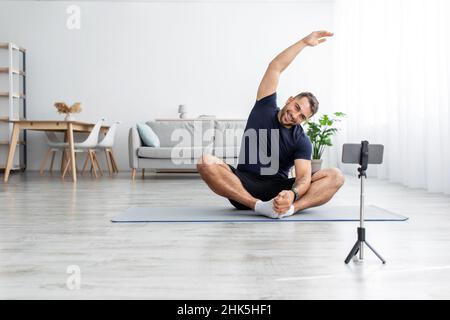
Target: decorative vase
(182, 111)
(69, 117)
(316, 165)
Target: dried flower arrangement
(62, 107)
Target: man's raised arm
(269, 83)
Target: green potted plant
(320, 134)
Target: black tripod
(359, 245)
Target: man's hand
(283, 201)
(316, 38)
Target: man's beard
(286, 118)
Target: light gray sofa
(182, 142)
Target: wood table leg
(72, 151)
(12, 150)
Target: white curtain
(391, 78)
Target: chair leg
(63, 160)
(115, 168)
(85, 163)
(107, 162)
(44, 161)
(92, 163)
(133, 174)
(52, 161)
(66, 168)
(76, 166)
(96, 162)
(143, 173)
(70, 167)
(65, 157)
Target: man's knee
(337, 177)
(205, 164)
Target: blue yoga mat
(227, 214)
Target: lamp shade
(181, 108)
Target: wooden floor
(47, 225)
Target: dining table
(69, 127)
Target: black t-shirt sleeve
(270, 100)
(304, 148)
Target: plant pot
(316, 165)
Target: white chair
(52, 141)
(106, 145)
(87, 146)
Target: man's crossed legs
(224, 182)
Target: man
(275, 195)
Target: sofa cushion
(184, 133)
(228, 133)
(171, 153)
(148, 137)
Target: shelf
(15, 47)
(6, 119)
(3, 167)
(15, 95)
(6, 143)
(14, 71)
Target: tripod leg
(376, 253)
(352, 252)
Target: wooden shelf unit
(12, 96)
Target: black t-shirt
(264, 130)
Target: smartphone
(351, 153)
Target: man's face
(295, 112)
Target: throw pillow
(148, 136)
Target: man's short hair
(313, 102)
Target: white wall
(137, 61)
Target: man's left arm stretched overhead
(268, 86)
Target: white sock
(266, 209)
(289, 213)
